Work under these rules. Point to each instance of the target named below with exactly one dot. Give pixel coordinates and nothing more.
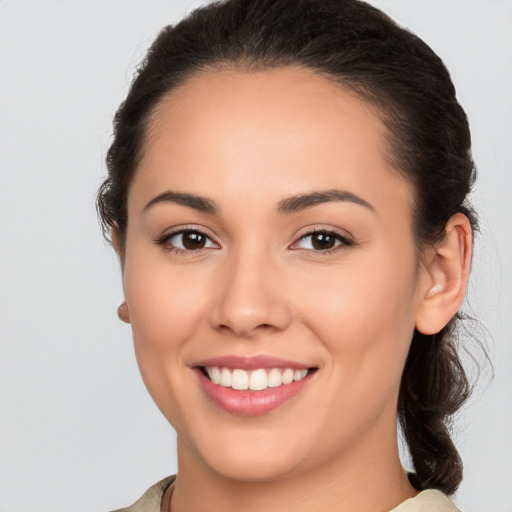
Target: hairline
(378, 102)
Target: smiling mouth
(252, 386)
(254, 380)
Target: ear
(117, 242)
(115, 235)
(123, 312)
(445, 276)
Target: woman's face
(268, 238)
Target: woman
(287, 194)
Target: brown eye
(192, 240)
(321, 241)
(189, 240)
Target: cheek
(165, 306)
(164, 300)
(365, 321)
(364, 314)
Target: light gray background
(78, 431)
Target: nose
(251, 298)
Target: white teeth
(274, 378)
(258, 380)
(288, 376)
(214, 375)
(239, 379)
(255, 380)
(225, 378)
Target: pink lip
(245, 402)
(250, 403)
(251, 362)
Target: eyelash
(164, 241)
(343, 241)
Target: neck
(369, 480)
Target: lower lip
(251, 403)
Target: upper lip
(251, 362)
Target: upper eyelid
(323, 229)
(186, 229)
(304, 233)
(342, 236)
(168, 235)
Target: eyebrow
(200, 203)
(286, 206)
(304, 201)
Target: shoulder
(427, 501)
(151, 499)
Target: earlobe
(446, 275)
(123, 312)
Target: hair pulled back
(429, 142)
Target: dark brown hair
(363, 50)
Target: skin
(249, 141)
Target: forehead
(269, 133)
(295, 104)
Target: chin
(255, 469)
(250, 455)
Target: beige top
(426, 501)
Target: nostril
(246, 315)
(245, 330)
